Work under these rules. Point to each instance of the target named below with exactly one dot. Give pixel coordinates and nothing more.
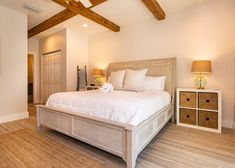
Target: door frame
(34, 76)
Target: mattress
(121, 106)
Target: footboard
(123, 140)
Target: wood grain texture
(96, 2)
(155, 8)
(21, 146)
(57, 19)
(79, 9)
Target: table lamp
(201, 67)
(97, 74)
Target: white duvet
(122, 106)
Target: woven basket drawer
(188, 99)
(208, 119)
(188, 116)
(208, 101)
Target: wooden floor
(22, 146)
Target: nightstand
(201, 109)
(91, 87)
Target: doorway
(30, 78)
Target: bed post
(131, 149)
(38, 119)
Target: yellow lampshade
(97, 72)
(201, 66)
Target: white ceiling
(121, 12)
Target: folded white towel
(107, 87)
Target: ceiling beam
(155, 8)
(96, 2)
(51, 22)
(57, 19)
(79, 8)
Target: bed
(120, 136)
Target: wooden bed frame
(123, 140)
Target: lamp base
(98, 81)
(200, 82)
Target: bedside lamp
(97, 74)
(201, 67)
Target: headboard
(156, 67)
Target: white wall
(33, 48)
(77, 54)
(205, 31)
(13, 65)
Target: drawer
(188, 116)
(208, 101)
(188, 99)
(208, 119)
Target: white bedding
(122, 106)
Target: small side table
(201, 109)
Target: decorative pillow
(134, 80)
(117, 78)
(154, 83)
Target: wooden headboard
(156, 67)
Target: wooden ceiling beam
(51, 22)
(79, 8)
(96, 2)
(57, 19)
(155, 8)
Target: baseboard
(227, 124)
(13, 117)
(234, 125)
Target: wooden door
(51, 74)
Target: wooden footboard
(123, 140)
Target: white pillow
(117, 78)
(154, 83)
(134, 80)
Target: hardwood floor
(22, 146)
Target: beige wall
(13, 65)
(205, 31)
(33, 48)
(77, 54)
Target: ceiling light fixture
(85, 25)
(67, 1)
(32, 8)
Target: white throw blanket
(107, 87)
(121, 106)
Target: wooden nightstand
(91, 87)
(199, 109)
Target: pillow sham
(154, 83)
(134, 80)
(116, 79)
